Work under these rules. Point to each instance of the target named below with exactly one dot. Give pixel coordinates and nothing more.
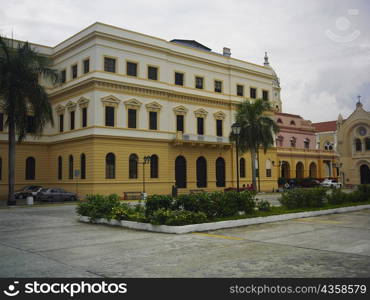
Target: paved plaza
(49, 242)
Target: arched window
(292, 123)
(220, 172)
(299, 170)
(83, 165)
(293, 141)
(70, 167)
(358, 145)
(180, 172)
(268, 168)
(367, 144)
(242, 167)
(133, 161)
(201, 172)
(110, 166)
(30, 168)
(60, 168)
(306, 143)
(154, 166)
(279, 120)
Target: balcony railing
(188, 137)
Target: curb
(220, 224)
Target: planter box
(221, 224)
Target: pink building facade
(295, 132)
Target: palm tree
(257, 129)
(21, 69)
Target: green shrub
(176, 217)
(217, 204)
(263, 205)
(155, 202)
(299, 198)
(363, 192)
(127, 212)
(98, 206)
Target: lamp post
(235, 128)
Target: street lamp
(146, 160)
(235, 128)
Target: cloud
(320, 76)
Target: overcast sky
(320, 49)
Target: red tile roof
(325, 126)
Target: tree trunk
(11, 160)
(253, 158)
(259, 170)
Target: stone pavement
(48, 241)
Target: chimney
(226, 52)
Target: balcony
(195, 139)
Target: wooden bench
(132, 195)
(197, 191)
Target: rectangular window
(153, 120)
(180, 123)
(257, 173)
(152, 73)
(86, 64)
(109, 65)
(74, 71)
(84, 117)
(253, 93)
(219, 127)
(199, 82)
(179, 78)
(61, 123)
(132, 118)
(30, 124)
(109, 116)
(200, 126)
(72, 120)
(63, 76)
(1, 121)
(240, 90)
(265, 95)
(218, 86)
(268, 172)
(131, 68)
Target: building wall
(351, 160)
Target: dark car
(56, 194)
(29, 190)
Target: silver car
(56, 194)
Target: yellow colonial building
(126, 96)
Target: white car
(331, 183)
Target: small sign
(77, 173)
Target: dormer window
(279, 121)
(292, 123)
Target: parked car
(56, 194)
(331, 183)
(33, 190)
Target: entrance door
(365, 174)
